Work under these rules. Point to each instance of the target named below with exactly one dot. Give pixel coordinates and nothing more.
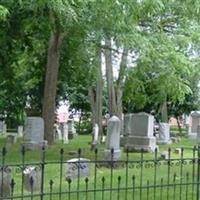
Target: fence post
(42, 173)
(198, 172)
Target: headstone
(164, 155)
(32, 178)
(1, 127)
(95, 134)
(195, 116)
(198, 135)
(71, 129)
(4, 128)
(164, 134)
(174, 140)
(34, 133)
(113, 139)
(141, 135)
(77, 167)
(5, 182)
(127, 129)
(103, 140)
(20, 131)
(178, 151)
(65, 133)
(11, 139)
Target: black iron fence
(137, 176)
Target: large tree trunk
(52, 67)
(120, 82)
(109, 78)
(95, 95)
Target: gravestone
(141, 135)
(65, 133)
(195, 116)
(95, 134)
(71, 129)
(127, 129)
(34, 133)
(4, 128)
(5, 182)
(164, 155)
(113, 139)
(1, 127)
(77, 167)
(32, 178)
(11, 139)
(20, 131)
(164, 134)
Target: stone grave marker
(113, 139)
(11, 139)
(164, 155)
(164, 134)
(20, 131)
(71, 129)
(95, 134)
(1, 127)
(195, 116)
(77, 167)
(141, 135)
(34, 133)
(35, 173)
(65, 133)
(5, 182)
(127, 129)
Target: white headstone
(34, 133)
(20, 131)
(95, 134)
(32, 178)
(77, 167)
(113, 139)
(65, 133)
(164, 134)
(71, 129)
(4, 128)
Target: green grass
(151, 176)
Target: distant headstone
(164, 134)
(71, 129)
(198, 135)
(5, 182)
(77, 167)
(95, 134)
(11, 139)
(20, 131)
(32, 178)
(1, 126)
(4, 128)
(164, 155)
(65, 133)
(178, 151)
(34, 133)
(113, 139)
(195, 116)
(141, 136)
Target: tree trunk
(52, 67)
(95, 95)
(119, 83)
(109, 78)
(164, 114)
(179, 125)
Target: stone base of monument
(164, 141)
(192, 136)
(32, 145)
(136, 144)
(108, 156)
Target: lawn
(134, 180)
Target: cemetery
(99, 100)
